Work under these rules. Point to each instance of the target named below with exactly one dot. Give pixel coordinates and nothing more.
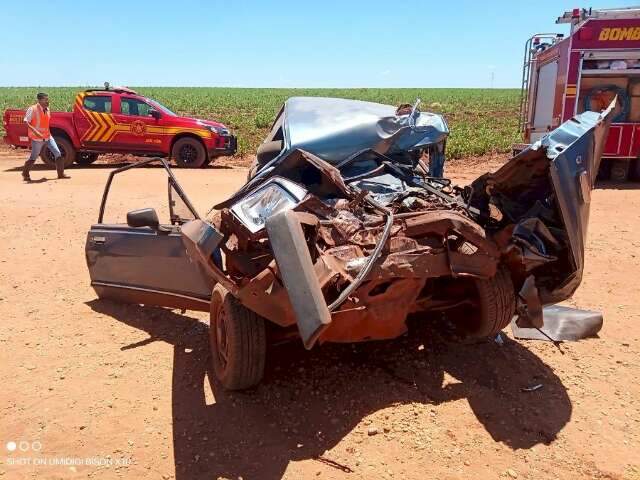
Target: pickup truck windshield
(160, 107)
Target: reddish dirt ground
(88, 382)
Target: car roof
(111, 90)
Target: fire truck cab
(598, 60)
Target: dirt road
(93, 389)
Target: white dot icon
(11, 446)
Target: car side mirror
(145, 217)
(154, 113)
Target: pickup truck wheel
(66, 149)
(237, 338)
(84, 158)
(189, 153)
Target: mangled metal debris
(341, 241)
(562, 324)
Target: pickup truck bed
(16, 129)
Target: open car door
(144, 261)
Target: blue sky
(327, 43)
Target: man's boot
(60, 168)
(25, 171)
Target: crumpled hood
(390, 225)
(336, 128)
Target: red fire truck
(563, 76)
(118, 120)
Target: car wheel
(84, 158)
(238, 342)
(66, 150)
(493, 307)
(189, 153)
(497, 304)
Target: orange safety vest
(39, 121)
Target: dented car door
(144, 261)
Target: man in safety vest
(37, 120)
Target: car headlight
(217, 130)
(276, 195)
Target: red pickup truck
(118, 120)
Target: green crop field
(481, 120)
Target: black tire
(497, 304)
(189, 153)
(66, 149)
(492, 310)
(85, 158)
(619, 170)
(237, 338)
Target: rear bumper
(18, 142)
(228, 147)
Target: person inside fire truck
(37, 119)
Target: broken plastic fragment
(532, 388)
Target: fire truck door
(92, 114)
(144, 132)
(544, 100)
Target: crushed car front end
(345, 252)
(345, 233)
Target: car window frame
(172, 179)
(124, 99)
(89, 97)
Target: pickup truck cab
(118, 120)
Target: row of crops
(481, 120)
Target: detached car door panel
(145, 265)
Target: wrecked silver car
(342, 234)
(337, 129)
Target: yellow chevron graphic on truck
(104, 127)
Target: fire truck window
(131, 106)
(97, 104)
